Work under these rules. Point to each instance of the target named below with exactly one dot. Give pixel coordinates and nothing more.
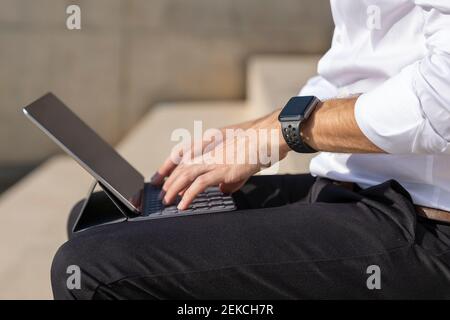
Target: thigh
(273, 190)
(258, 192)
(298, 250)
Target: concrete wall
(133, 53)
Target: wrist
(283, 147)
(270, 122)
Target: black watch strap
(293, 137)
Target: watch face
(298, 108)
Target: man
(370, 222)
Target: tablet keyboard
(211, 200)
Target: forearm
(247, 124)
(333, 128)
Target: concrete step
(33, 217)
(273, 79)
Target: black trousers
(294, 236)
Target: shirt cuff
(390, 116)
(319, 87)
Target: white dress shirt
(397, 53)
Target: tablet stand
(100, 208)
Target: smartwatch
(296, 111)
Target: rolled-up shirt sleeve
(410, 112)
(319, 87)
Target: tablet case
(103, 207)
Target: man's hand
(223, 164)
(183, 151)
(332, 127)
(194, 148)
